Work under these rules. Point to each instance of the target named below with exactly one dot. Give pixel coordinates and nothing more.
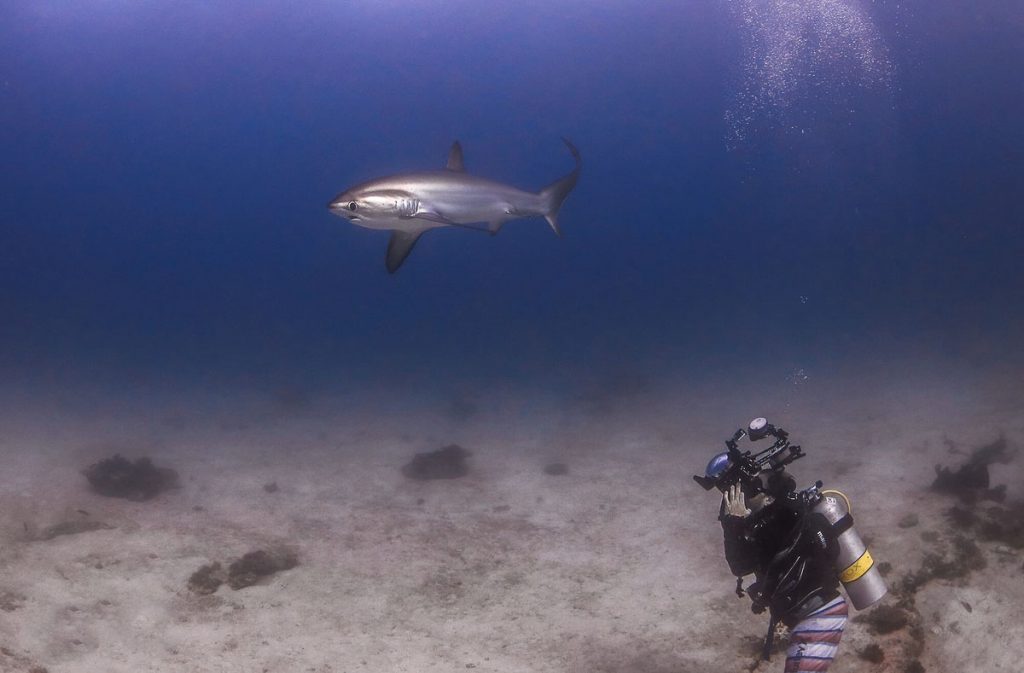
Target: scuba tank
(854, 565)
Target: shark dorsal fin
(455, 158)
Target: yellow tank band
(857, 569)
(849, 507)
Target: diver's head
(777, 483)
(770, 486)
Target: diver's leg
(814, 641)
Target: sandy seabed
(614, 566)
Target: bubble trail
(799, 51)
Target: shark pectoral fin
(431, 216)
(455, 158)
(399, 247)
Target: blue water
(166, 169)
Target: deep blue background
(166, 167)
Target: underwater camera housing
(744, 466)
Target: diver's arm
(740, 549)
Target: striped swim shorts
(814, 641)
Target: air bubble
(797, 52)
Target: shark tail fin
(554, 194)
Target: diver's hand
(735, 503)
(757, 605)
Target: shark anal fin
(455, 158)
(399, 247)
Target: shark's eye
(352, 206)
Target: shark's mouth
(342, 211)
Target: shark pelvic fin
(399, 247)
(431, 216)
(455, 158)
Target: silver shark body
(409, 204)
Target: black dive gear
(790, 549)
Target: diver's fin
(554, 194)
(399, 247)
(455, 158)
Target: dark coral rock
(1004, 524)
(119, 477)
(994, 452)
(968, 554)
(971, 481)
(12, 661)
(969, 477)
(961, 517)
(964, 558)
(556, 469)
(908, 521)
(445, 463)
(11, 601)
(256, 565)
(884, 619)
(207, 579)
(73, 527)
(995, 523)
(872, 653)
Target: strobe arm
(745, 467)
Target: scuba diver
(799, 545)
